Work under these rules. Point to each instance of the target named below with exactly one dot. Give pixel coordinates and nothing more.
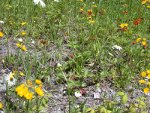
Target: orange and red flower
(137, 21)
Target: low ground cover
(75, 56)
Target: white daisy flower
(9, 79)
(117, 47)
(39, 2)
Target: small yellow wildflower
(21, 90)
(123, 25)
(1, 105)
(23, 23)
(148, 71)
(21, 73)
(39, 91)
(81, 0)
(142, 81)
(23, 33)
(28, 95)
(1, 34)
(18, 45)
(143, 74)
(148, 6)
(40, 85)
(37, 81)
(148, 76)
(148, 83)
(146, 90)
(138, 40)
(24, 48)
(81, 9)
(145, 1)
(144, 43)
(89, 12)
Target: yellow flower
(143, 74)
(1, 105)
(146, 90)
(81, 9)
(18, 45)
(144, 43)
(148, 6)
(90, 12)
(142, 81)
(145, 1)
(40, 85)
(23, 33)
(148, 71)
(23, 23)
(21, 90)
(148, 76)
(148, 83)
(138, 40)
(24, 48)
(123, 25)
(39, 91)
(37, 81)
(81, 0)
(21, 73)
(1, 34)
(28, 95)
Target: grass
(72, 42)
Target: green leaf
(120, 93)
(90, 110)
(102, 109)
(124, 98)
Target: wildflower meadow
(74, 56)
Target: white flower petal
(56, 1)
(20, 39)
(10, 80)
(42, 3)
(39, 2)
(1, 22)
(77, 94)
(36, 1)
